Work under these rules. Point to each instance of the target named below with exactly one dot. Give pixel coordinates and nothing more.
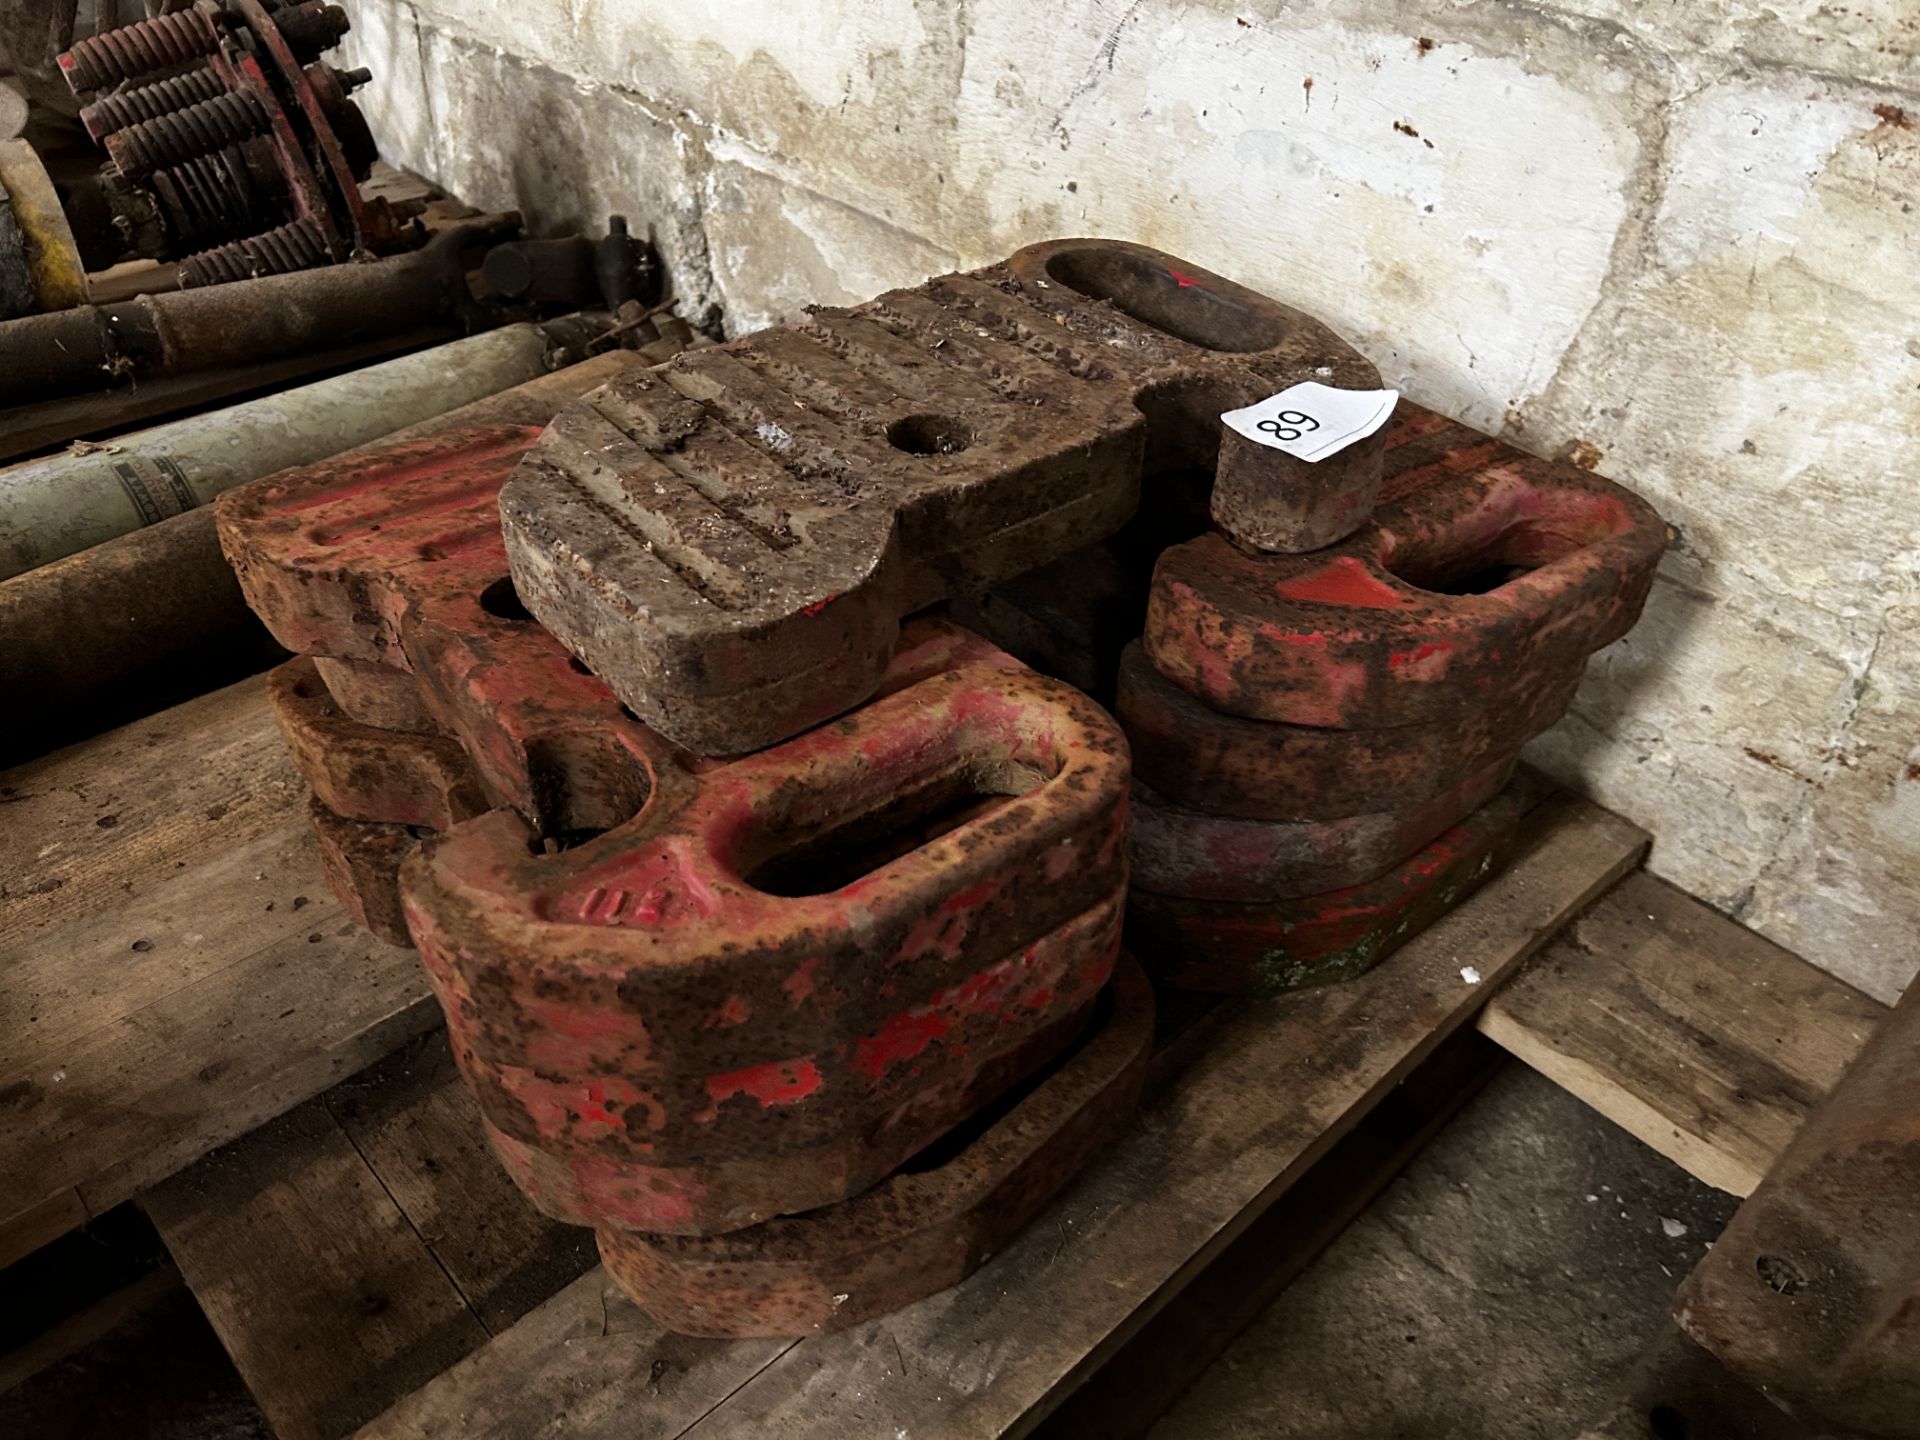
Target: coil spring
(208, 197)
(139, 49)
(295, 246)
(129, 107)
(183, 135)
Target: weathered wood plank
(277, 1018)
(1268, 1088)
(378, 1197)
(1175, 1348)
(173, 969)
(1704, 1040)
(112, 818)
(418, 1128)
(288, 1226)
(25, 1231)
(586, 1363)
(75, 979)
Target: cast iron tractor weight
(730, 541)
(584, 928)
(229, 150)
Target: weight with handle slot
(1202, 856)
(699, 1019)
(1261, 948)
(731, 540)
(362, 860)
(1199, 758)
(364, 772)
(674, 1016)
(1483, 572)
(925, 1227)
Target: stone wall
(1675, 241)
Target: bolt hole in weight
(502, 601)
(926, 434)
(1781, 1274)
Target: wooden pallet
(173, 969)
(991, 1357)
(175, 975)
(1689, 1031)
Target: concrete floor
(1498, 1289)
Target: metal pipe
(68, 502)
(95, 346)
(120, 631)
(155, 616)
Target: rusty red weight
(925, 1227)
(1259, 949)
(730, 540)
(321, 549)
(388, 561)
(1198, 758)
(1267, 499)
(1470, 582)
(380, 695)
(700, 1019)
(362, 772)
(1201, 856)
(361, 860)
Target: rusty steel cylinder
(74, 500)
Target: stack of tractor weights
(777, 917)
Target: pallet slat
(1686, 1029)
(173, 970)
(993, 1355)
(293, 1223)
(418, 1128)
(352, 1250)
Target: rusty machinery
(778, 932)
(231, 148)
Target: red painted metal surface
(1199, 758)
(362, 860)
(362, 772)
(925, 1227)
(1202, 856)
(707, 1015)
(1262, 948)
(731, 540)
(680, 1011)
(1396, 625)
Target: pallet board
(1705, 1041)
(358, 1246)
(173, 969)
(1261, 1092)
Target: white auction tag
(1312, 421)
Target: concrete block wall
(1674, 241)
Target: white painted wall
(1679, 238)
